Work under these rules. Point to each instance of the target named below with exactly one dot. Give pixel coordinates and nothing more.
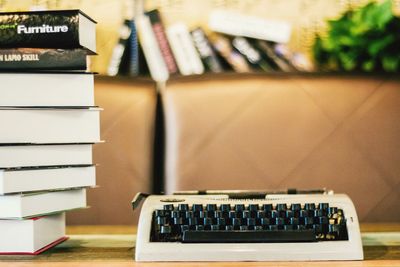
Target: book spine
(252, 55)
(184, 49)
(237, 24)
(232, 57)
(206, 51)
(269, 53)
(162, 40)
(155, 61)
(119, 49)
(25, 59)
(133, 69)
(40, 30)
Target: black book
(63, 29)
(206, 51)
(253, 56)
(268, 52)
(28, 59)
(121, 57)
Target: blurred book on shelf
(176, 49)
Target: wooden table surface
(114, 246)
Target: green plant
(366, 39)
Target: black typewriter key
(279, 221)
(258, 228)
(159, 213)
(161, 220)
(246, 214)
(165, 229)
(289, 227)
(274, 214)
(281, 207)
(323, 220)
(236, 221)
(183, 207)
(323, 206)
(244, 228)
(214, 227)
(289, 214)
(175, 214)
(318, 213)
(178, 221)
(273, 227)
(199, 227)
(211, 207)
(229, 227)
(206, 214)
(207, 221)
(301, 227)
(332, 210)
(303, 213)
(295, 207)
(239, 207)
(169, 207)
(251, 221)
(308, 220)
(253, 207)
(197, 207)
(225, 207)
(192, 221)
(260, 214)
(232, 214)
(264, 221)
(309, 206)
(189, 214)
(218, 214)
(221, 221)
(294, 221)
(267, 207)
(185, 228)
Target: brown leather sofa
(125, 159)
(285, 131)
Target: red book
(162, 40)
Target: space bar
(248, 236)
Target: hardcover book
(25, 59)
(66, 29)
(31, 236)
(159, 31)
(29, 179)
(26, 155)
(206, 51)
(47, 89)
(49, 125)
(28, 205)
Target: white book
(157, 66)
(31, 236)
(13, 156)
(49, 125)
(46, 89)
(24, 205)
(184, 50)
(44, 178)
(235, 23)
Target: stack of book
(232, 42)
(49, 124)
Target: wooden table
(114, 246)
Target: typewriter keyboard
(251, 223)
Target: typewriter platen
(248, 226)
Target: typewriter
(247, 226)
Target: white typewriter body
(314, 251)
